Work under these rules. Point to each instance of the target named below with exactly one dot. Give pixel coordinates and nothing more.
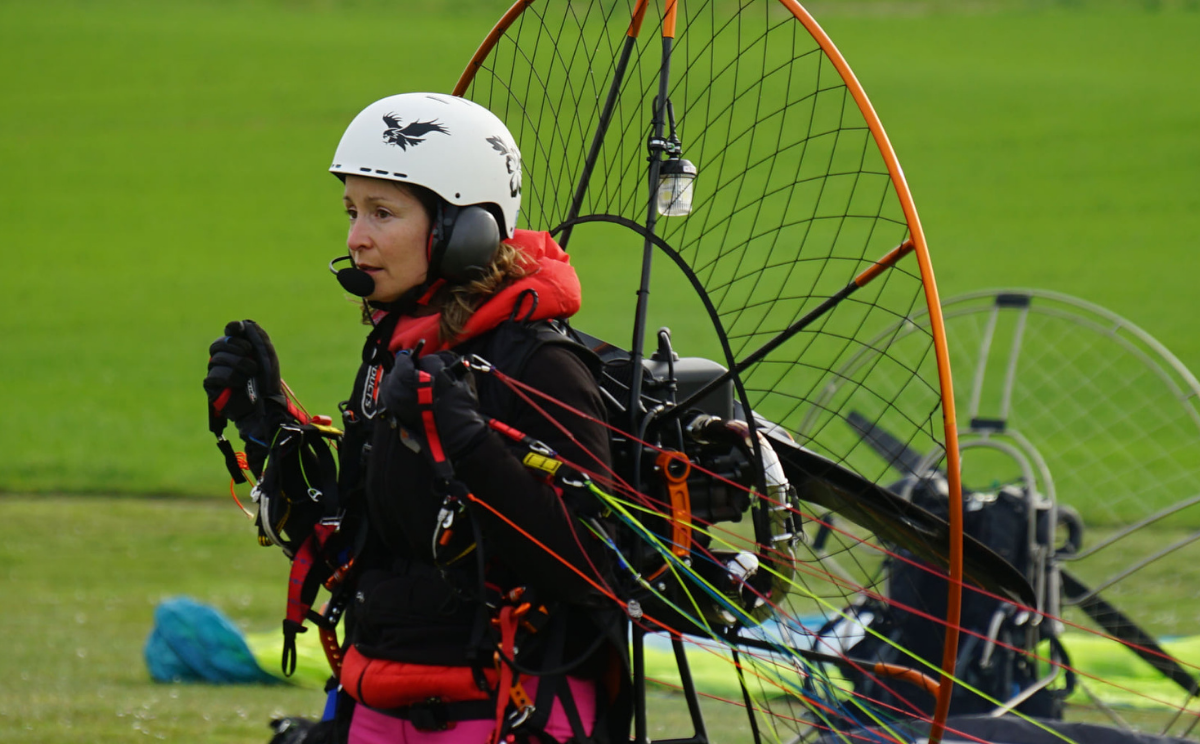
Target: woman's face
(389, 233)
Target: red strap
(508, 642)
(506, 430)
(426, 298)
(296, 413)
(301, 590)
(222, 399)
(425, 404)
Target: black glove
(243, 385)
(398, 392)
(460, 425)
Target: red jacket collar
(551, 277)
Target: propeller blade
(1120, 626)
(1108, 617)
(900, 456)
(823, 482)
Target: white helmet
(454, 147)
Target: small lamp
(676, 180)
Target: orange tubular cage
(920, 247)
(938, 328)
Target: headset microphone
(354, 280)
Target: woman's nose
(358, 237)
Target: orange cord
(245, 468)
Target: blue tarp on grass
(192, 642)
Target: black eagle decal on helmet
(512, 161)
(413, 134)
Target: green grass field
(165, 173)
(84, 576)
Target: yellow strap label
(541, 462)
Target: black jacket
(406, 608)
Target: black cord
(562, 669)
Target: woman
(463, 626)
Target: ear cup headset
(454, 148)
(462, 243)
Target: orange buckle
(523, 703)
(339, 575)
(676, 468)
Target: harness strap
(332, 649)
(573, 717)
(297, 414)
(332, 613)
(303, 584)
(479, 652)
(435, 715)
(509, 687)
(327, 469)
(454, 492)
(425, 406)
(299, 485)
(216, 424)
(556, 685)
(231, 460)
(548, 688)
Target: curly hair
(457, 302)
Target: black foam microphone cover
(355, 281)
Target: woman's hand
(398, 392)
(455, 408)
(244, 386)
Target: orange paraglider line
(937, 327)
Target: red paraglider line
(522, 390)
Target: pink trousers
(372, 727)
